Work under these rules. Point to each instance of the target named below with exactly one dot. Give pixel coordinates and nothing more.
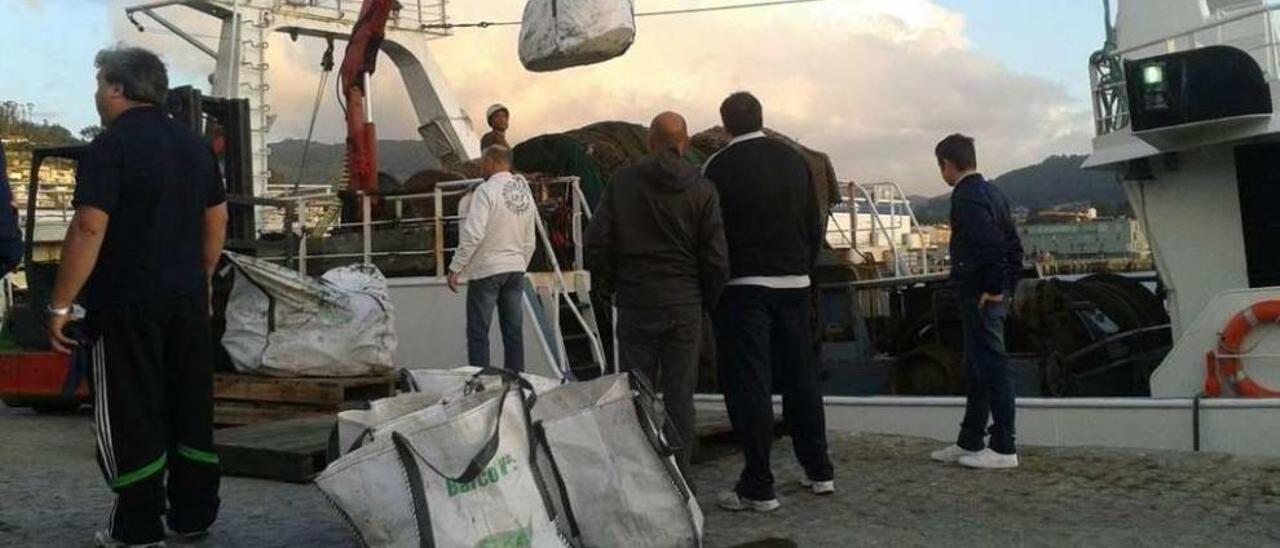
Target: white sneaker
(951, 454)
(103, 539)
(819, 487)
(732, 502)
(988, 459)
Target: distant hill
(324, 161)
(1058, 180)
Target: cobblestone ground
(889, 495)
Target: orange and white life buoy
(1227, 359)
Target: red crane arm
(359, 62)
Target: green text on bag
(520, 538)
(505, 465)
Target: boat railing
(297, 225)
(392, 211)
(1252, 31)
(879, 217)
(429, 16)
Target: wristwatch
(75, 312)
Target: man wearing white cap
(498, 117)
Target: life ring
(1227, 358)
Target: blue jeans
(990, 379)
(504, 292)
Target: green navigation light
(1153, 75)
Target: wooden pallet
(292, 450)
(249, 399)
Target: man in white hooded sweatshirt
(496, 243)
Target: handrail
(875, 220)
(563, 291)
(1202, 28)
(915, 223)
(295, 206)
(902, 222)
(1107, 79)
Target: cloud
(874, 84)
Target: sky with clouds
(872, 82)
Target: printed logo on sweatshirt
(515, 195)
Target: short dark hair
(141, 73)
(498, 154)
(959, 149)
(742, 114)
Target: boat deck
(890, 494)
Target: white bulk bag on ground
(452, 382)
(282, 323)
(427, 387)
(557, 34)
(460, 473)
(618, 473)
(355, 427)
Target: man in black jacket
(657, 242)
(774, 233)
(986, 257)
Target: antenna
(1111, 28)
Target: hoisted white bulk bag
(282, 323)
(557, 34)
(459, 473)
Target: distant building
(938, 234)
(1063, 216)
(1021, 214)
(1100, 238)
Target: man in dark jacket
(657, 242)
(986, 257)
(774, 233)
(10, 234)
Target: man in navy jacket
(986, 258)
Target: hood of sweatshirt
(668, 172)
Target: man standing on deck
(986, 257)
(494, 249)
(774, 232)
(498, 118)
(148, 230)
(657, 242)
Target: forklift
(32, 374)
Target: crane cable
(488, 24)
(326, 66)
(682, 11)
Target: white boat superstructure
(1196, 184)
(241, 70)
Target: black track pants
(153, 414)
